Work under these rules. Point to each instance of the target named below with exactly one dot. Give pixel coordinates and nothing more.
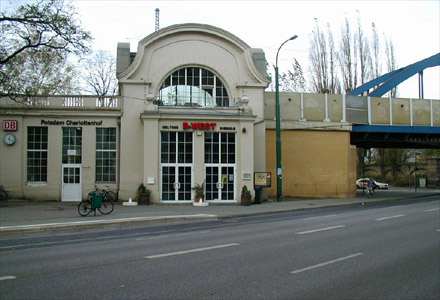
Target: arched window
(193, 87)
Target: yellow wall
(317, 164)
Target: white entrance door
(71, 189)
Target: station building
(192, 109)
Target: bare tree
(334, 83)
(391, 61)
(364, 54)
(36, 41)
(322, 62)
(44, 25)
(348, 58)
(376, 54)
(99, 74)
(293, 80)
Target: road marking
(61, 242)
(433, 209)
(170, 235)
(7, 278)
(106, 221)
(320, 229)
(391, 217)
(325, 263)
(192, 251)
(313, 218)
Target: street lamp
(278, 126)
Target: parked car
(363, 183)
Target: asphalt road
(378, 251)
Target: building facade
(192, 110)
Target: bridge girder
(390, 80)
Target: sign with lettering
(199, 125)
(72, 122)
(10, 125)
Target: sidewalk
(19, 218)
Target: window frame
(38, 170)
(193, 86)
(107, 171)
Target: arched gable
(197, 45)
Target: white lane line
(107, 221)
(7, 278)
(390, 217)
(326, 263)
(170, 235)
(109, 237)
(432, 209)
(319, 217)
(320, 229)
(191, 251)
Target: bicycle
(3, 193)
(85, 207)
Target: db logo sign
(10, 125)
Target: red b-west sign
(199, 126)
(10, 125)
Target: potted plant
(199, 189)
(246, 196)
(143, 194)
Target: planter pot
(246, 200)
(198, 199)
(144, 199)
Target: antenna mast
(157, 19)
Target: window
(220, 147)
(193, 87)
(37, 154)
(72, 145)
(176, 147)
(106, 154)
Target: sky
(413, 26)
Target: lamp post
(278, 126)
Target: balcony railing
(64, 102)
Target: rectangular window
(37, 154)
(106, 154)
(176, 147)
(72, 145)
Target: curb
(25, 230)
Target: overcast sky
(413, 26)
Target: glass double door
(220, 168)
(176, 166)
(220, 183)
(176, 183)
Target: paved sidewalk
(18, 218)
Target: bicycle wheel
(106, 207)
(110, 196)
(84, 208)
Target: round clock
(9, 139)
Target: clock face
(9, 139)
